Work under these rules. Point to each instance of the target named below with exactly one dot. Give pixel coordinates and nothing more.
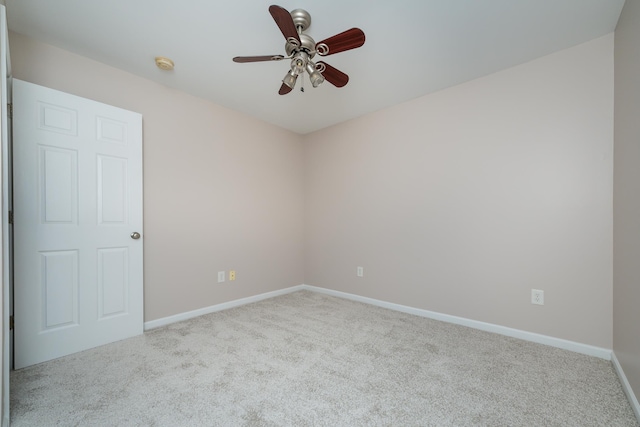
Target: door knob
(135, 235)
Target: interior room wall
(462, 201)
(626, 195)
(222, 191)
(458, 202)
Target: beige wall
(458, 202)
(221, 190)
(462, 201)
(626, 207)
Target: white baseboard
(633, 400)
(152, 324)
(589, 350)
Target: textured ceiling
(413, 47)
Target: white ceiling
(413, 47)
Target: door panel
(113, 283)
(59, 183)
(60, 289)
(77, 199)
(112, 194)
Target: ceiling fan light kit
(301, 49)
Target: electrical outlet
(537, 297)
(360, 272)
(232, 275)
(220, 276)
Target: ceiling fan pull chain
(302, 83)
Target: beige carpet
(310, 359)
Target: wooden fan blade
(333, 75)
(346, 40)
(285, 23)
(243, 59)
(284, 89)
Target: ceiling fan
(301, 49)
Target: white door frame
(5, 184)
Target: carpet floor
(308, 359)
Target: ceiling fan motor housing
(307, 44)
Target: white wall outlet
(221, 276)
(537, 297)
(360, 272)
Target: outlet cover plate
(220, 276)
(537, 297)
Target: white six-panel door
(77, 202)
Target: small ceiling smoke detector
(164, 63)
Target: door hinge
(10, 217)
(11, 323)
(10, 110)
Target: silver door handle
(135, 235)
